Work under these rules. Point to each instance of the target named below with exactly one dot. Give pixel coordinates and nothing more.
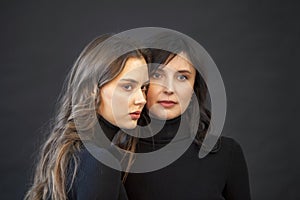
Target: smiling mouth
(167, 104)
(135, 115)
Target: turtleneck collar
(173, 121)
(166, 133)
(109, 129)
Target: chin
(165, 115)
(161, 114)
(129, 125)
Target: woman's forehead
(178, 63)
(133, 68)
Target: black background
(255, 45)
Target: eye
(156, 75)
(128, 87)
(145, 87)
(182, 77)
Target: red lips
(135, 115)
(167, 103)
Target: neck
(163, 131)
(109, 129)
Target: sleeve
(94, 180)
(237, 185)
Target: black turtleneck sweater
(220, 175)
(94, 180)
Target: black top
(94, 180)
(219, 175)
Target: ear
(97, 95)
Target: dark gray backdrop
(255, 45)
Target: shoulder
(222, 144)
(229, 144)
(93, 179)
(233, 150)
(227, 148)
(89, 162)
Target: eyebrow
(129, 80)
(134, 81)
(180, 71)
(185, 71)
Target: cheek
(106, 97)
(186, 94)
(121, 102)
(105, 102)
(152, 95)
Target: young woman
(176, 87)
(106, 87)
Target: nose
(168, 86)
(140, 97)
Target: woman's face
(123, 98)
(171, 88)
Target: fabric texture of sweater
(220, 175)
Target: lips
(135, 115)
(167, 103)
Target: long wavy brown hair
(98, 63)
